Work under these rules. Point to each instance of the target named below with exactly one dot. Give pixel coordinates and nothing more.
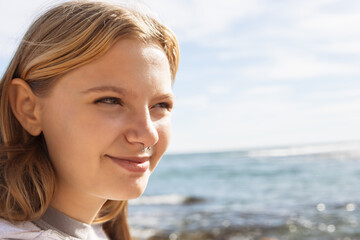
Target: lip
(132, 164)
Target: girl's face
(99, 117)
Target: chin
(127, 196)
(135, 196)
(131, 192)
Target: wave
(349, 147)
(287, 231)
(319, 225)
(173, 199)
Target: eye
(110, 100)
(164, 105)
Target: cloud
(218, 89)
(193, 102)
(292, 66)
(265, 122)
(15, 17)
(267, 90)
(311, 39)
(350, 108)
(337, 94)
(199, 19)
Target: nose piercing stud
(145, 148)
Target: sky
(252, 74)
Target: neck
(77, 204)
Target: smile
(132, 164)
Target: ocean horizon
(299, 192)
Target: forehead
(129, 63)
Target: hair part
(66, 37)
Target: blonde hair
(64, 38)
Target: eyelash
(110, 100)
(165, 105)
(117, 101)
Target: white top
(52, 225)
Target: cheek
(73, 132)
(63, 137)
(164, 131)
(69, 131)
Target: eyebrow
(105, 88)
(166, 96)
(123, 92)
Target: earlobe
(24, 105)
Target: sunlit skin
(102, 111)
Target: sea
(280, 193)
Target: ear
(24, 104)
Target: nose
(142, 129)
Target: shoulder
(23, 230)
